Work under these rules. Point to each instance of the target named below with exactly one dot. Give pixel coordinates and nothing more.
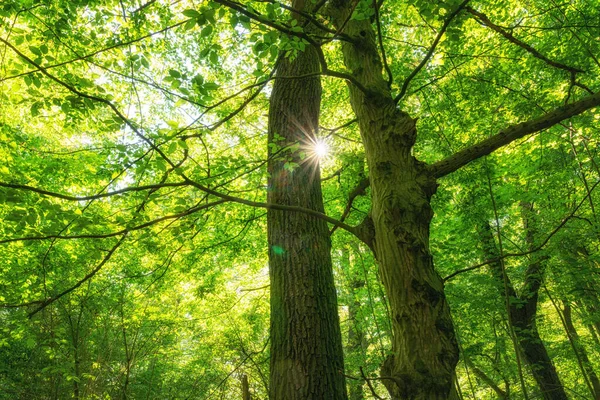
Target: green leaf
(191, 13)
(190, 24)
(207, 30)
(35, 50)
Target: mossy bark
(424, 349)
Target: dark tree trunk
(424, 349)
(306, 345)
(245, 388)
(523, 313)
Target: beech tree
(146, 142)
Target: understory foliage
(133, 189)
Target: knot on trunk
(418, 382)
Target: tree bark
(424, 349)
(306, 345)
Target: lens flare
(321, 149)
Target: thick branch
(512, 133)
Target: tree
(424, 349)
(522, 310)
(161, 136)
(306, 343)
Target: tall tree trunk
(306, 344)
(424, 349)
(523, 313)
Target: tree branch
(358, 191)
(281, 28)
(86, 56)
(122, 231)
(94, 196)
(156, 148)
(279, 207)
(509, 36)
(512, 133)
(532, 250)
(47, 302)
(386, 66)
(430, 52)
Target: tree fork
(424, 349)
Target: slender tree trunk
(306, 345)
(424, 349)
(356, 337)
(592, 305)
(502, 394)
(522, 314)
(245, 388)
(585, 360)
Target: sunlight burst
(321, 148)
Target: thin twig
(430, 52)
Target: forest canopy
(332, 199)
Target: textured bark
(306, 347)
(523, 313)
(424, 349)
